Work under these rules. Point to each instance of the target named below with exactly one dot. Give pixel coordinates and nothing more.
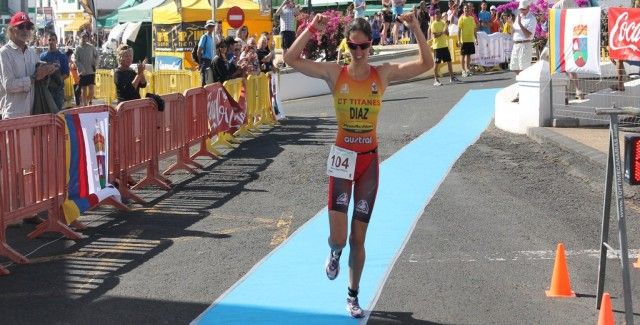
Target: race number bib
(341, 163)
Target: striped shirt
(288, 19)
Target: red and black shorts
(364, 187)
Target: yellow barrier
(454, 49)
(69, 95)
(105, 87)
(264, 101)
(167, 82)
(196, 80)
(277, 39)
(148, 76)
(234, 87)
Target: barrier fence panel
(167, 82)
(32, 165)
(218, 118)
(264, 93)
(196, 79)
(197, 124)
(138, 145)
(173, 134)
(253, 111)
(114, 162)
(574, 100)
(148, 76)
(105, 87)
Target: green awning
(108, 21)
(139, 13)
(129, 4)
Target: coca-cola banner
(574, 40)
(225, 114)
(624, 34)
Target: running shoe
(455, 80)
(464, 74)
(332, 265)
(437, 83)
(353, 307)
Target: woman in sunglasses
(353, 161)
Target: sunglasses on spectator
(362, 46)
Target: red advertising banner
(624, 34)
(225, 114)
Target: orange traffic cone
(560, 283)
(606, 313)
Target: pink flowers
(540, 9)
(325, 44)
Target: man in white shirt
(524, 28)
(18, 69)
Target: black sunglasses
(362, 46)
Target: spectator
(344, 55)
(86, 58)
(495, 20)
(376, 26)
(206, 47)
(452, 13)
(467, 39)
(507, 23)
(288, 12)
(248, 58)
(217, 32)
(73, 70)
(484, 18)
(387, 19)
(523, 29)
(220, 64)
(423, 17)
(359, 7)
(18, 69)
(56, 82)
(397, 9)
(265, 55)
(440, 45)
(128, 82)
(348, 12)
(243, 35)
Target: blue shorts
(397, 11)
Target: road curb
(544, 135)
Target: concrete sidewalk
(592, 143)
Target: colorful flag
(89, 7)
(574, 40)
(87, 148)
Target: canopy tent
(78, 23)
(111, 20)
(139, 13)
(108, 21)
(177, 31)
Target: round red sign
(235, 17)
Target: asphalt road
(482, 253)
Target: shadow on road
(383, 317)
(67, 281)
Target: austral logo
(358, 140)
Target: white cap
(493, 8)
(523, 4)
